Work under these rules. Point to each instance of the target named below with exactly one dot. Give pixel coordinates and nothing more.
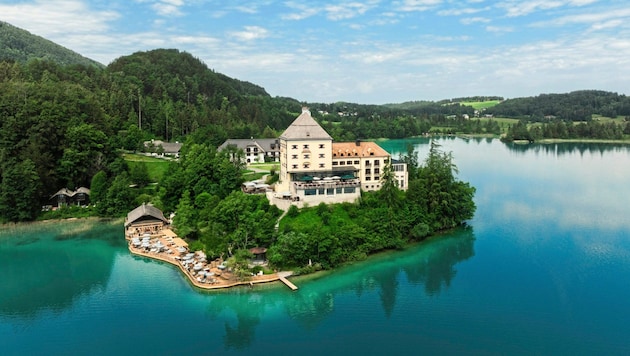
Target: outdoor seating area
(200, 272)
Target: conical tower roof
(304, 127)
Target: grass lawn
(156, 166)
(478, 105)
(266, 166)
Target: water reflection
(52, 273)
(429, 265)
(564, 148)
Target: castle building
(313, 169)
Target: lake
(542, 268)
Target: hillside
(575, 106)
(21, 46)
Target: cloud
(52, 19)
(348, 10)
(250, 33)
(460, 11)
(416, 5)
(165, 7)
(303, 11)
(472, 20)
(590, 18)
(515, 8)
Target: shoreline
(197, 277)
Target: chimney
(357, 142)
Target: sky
(367, 52)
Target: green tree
(139, 174)
(98, 187)
(19, 193)
(120, 198)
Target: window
(367, 163)
(356, 162)
(371, 153)
(307, 156)
(377, 162)
(322, 165)
(321, 145)
(294, 156)
(339, 190)
(349, 189)
(368, 171)
(342, 163)
(335, 163)
(377, 171)
(248, 149)
(295, 166)
(368, 179)
(377, 178)
(305, 146)
(321, 155)
(348, 162)
(310, 192)
(330, 191)
(320, 191)
(294, 147)
(306, 165)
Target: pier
(282, 277)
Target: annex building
(314, 169)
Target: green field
(156, 166)
(479, 105)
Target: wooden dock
(283, 279)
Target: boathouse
(144, 219)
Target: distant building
(256, 149)
(162, 148)
(65, 197)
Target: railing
(327, 184)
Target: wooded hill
(20, 45)
(60, 124)
(575, 106)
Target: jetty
(282, 277)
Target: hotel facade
(314, 169)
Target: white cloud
(460, 11)
(472, 20)
(250, 33)
(590, 18)
(416, 5)
(516, 8)
(303, 11)
(51, 19)
(348, 10)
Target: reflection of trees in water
(46, 275)
(437, 269)
(309, 309)
(432, 263)
(248, 307)
(562, 148)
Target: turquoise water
(543, 268)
